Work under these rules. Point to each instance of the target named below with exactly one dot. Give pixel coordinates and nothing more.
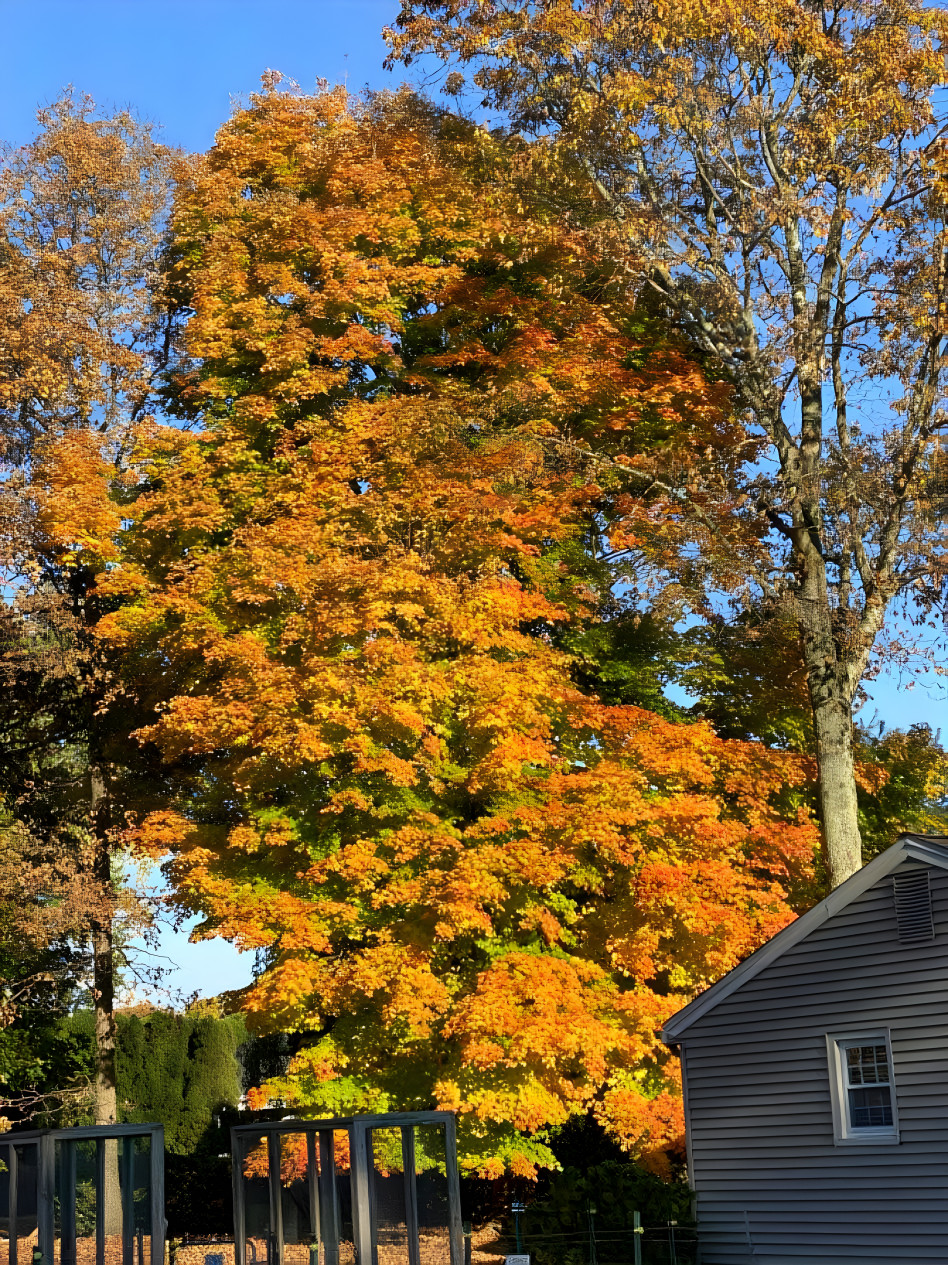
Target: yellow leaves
(652, 1128)
(358, 863)
(162, 833)
(358, 217)
(68, 357)
(344, 599)
(531, 1008)
(450, 795)
(75, 508)
(530, 1107)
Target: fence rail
(667, 1243)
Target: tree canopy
(777, 174)
(475, 883)
(349, 518)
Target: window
(863, 1090)
(868, 1086)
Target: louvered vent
(913, 907)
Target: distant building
(816, 1079)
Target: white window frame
(844, 1133)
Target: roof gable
(932, 850)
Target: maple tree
(81, 343)
(475, 884)
(775, 172)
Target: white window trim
(844, 1134)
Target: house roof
(930, 849)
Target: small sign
(518, 1259)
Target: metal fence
(667, 1243)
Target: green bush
(178, 1070)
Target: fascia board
(915, 847)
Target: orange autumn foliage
(477, 886)
(293, 1151)
(777, 172)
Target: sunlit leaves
(475, 885)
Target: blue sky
(180, 63)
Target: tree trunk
(103, 978)
(103, 993)
(828, 671)
(831, 700)
(839, 810)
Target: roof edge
(931, 849)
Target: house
(816, 1079)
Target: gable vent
(913, 907)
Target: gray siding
(772, 1186)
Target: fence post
(591, 1213)
(516, 1208)
(637, 1238)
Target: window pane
(870, 1108)
(867, 1065)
